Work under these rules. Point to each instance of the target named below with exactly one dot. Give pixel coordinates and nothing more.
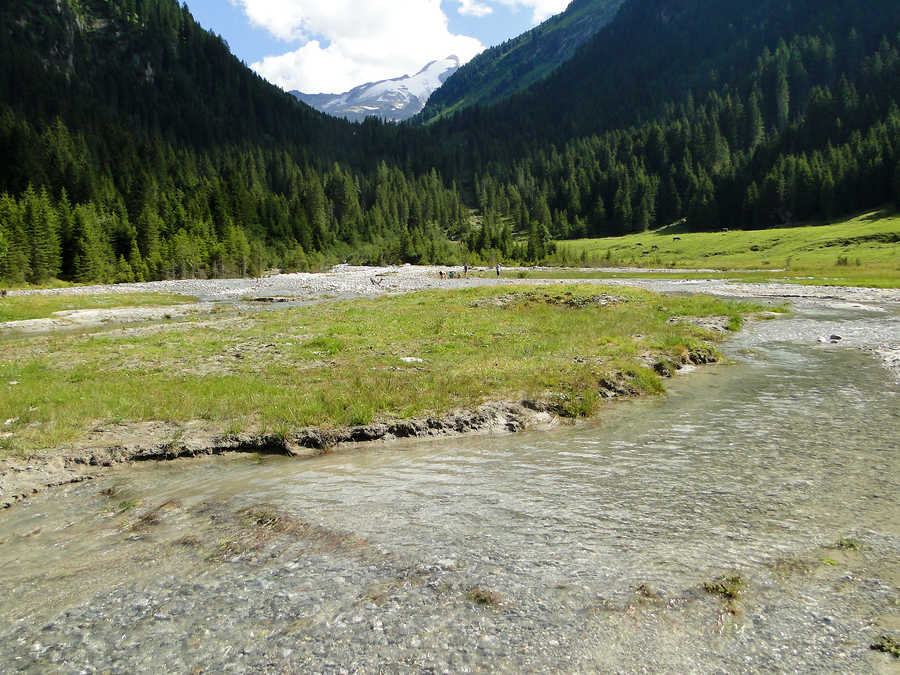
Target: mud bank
(157, 441)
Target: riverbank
(299, 378)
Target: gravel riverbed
(351, 281)
(346, 281)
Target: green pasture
(863, 251)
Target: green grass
(342, 363)
(863, 251)
(21, 307)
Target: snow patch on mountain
(397, 99)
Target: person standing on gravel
(498, 270)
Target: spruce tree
(42, 225)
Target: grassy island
(339, 364)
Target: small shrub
(128, 505)
(842, 261)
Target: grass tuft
(729, 587)
(479, 595)
(888, 645)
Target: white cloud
(541, 9)
(474, 8)
(349, 42)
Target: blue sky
(334, 45)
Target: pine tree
(535, 250)
(4, 249)
(136, 261)
(91, 252)
(751, 206)
(124, 273)
(237, 250)
(597, 217)
(782, 100)
(703, 212)
(622, 211)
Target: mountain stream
(749, 520)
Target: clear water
(590, 543)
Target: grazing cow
(676, 238)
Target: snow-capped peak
(396, 99)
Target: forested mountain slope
(723, 112)
(518, 63)
(135, 145)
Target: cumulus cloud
(348, 42)
(474, 8)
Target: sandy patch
(92, 318)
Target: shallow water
(590, 544)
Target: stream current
(585, 548)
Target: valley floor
(112, 440)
